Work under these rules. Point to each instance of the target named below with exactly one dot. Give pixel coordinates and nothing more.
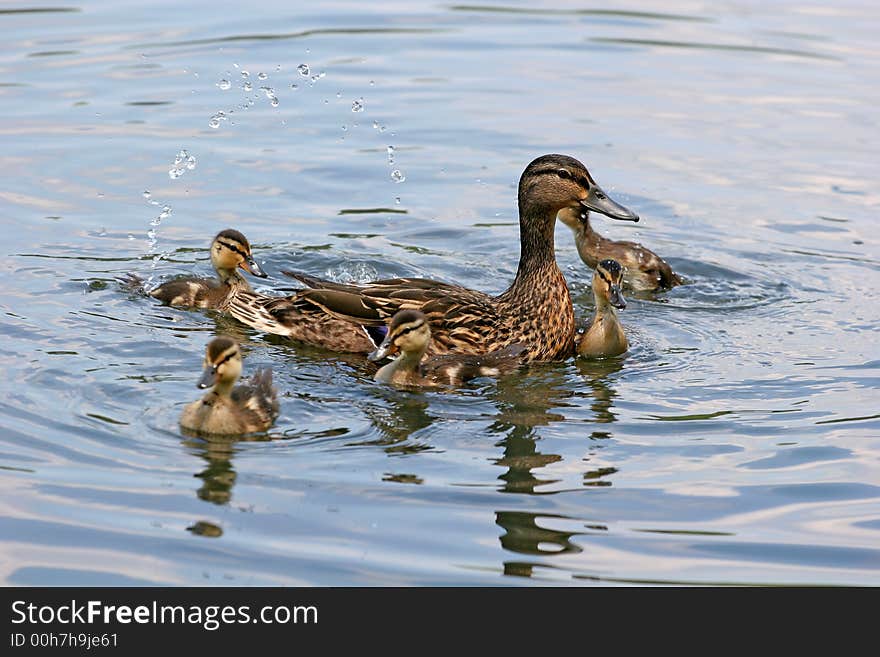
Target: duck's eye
(563, 173)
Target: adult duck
(535, 311)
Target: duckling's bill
(250, 265)
(385, 350)
(615, 297)
(209, 377)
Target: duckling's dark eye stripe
(234, 248)
(225, 358)
(604, 277)
(408, 329)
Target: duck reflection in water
(523, 411)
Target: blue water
(738, 442)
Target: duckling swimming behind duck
(605, 336)
(644, 270)
(409, 334)
(229, 409)
(230, 251)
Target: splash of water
(183, 162)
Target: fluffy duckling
(229, 409)
(605, 336)
(230, 251)
(409, 334)
(644, 270)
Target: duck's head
(230, 250)
(607, 281)
(408, 332)
(557, 182)
(222, 363)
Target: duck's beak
(599, 201)
(250, 265)
(615, 297)
(385, 350)
(209, 378)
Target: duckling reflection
(521, 409)
(645, 271)
(598, 375)
(230, 251)
(524, 536)
(218, 478)
(398, 417)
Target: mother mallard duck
(535, 311)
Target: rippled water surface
(737, 442)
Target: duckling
(409, 334)
(535, 311)
(644, 270)
(605, 336)
(229, 409)
(230, 251)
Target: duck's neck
(604, 310)
(537, 257)
(589, 243)
(233, 278)
(404, 367)
(223, 388)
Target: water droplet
(294, 87)
(358, 105)
(147, 194)
(224, 84)
(262, 76)
(247, 86)
(339, 94)
(372, 82)
(269, 91)
(278, 68)
(130, 236)
(390, 150)
(344, 128)
(245, 74)
(303, 70)
(375, 125)
(382, 128)
(397, 176)
(397, 200)
(235, 65)
(102, 232)
(182, 162)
